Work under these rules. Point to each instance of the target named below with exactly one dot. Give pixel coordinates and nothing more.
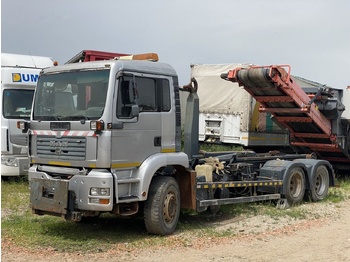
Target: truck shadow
(115, 230)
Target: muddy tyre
(162, 208)
(295, 186)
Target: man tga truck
(19, 75)
(105, 136)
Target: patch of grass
(294, 212)
(219, 147)
(341, 191)
(110, 232)
(14, 195)
(25, 229)
(265, 208)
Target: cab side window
(150, 94)
(146, 89)
(164, 95)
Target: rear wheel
(162, 208)
(320, 184)
(295, 183)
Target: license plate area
(60, 126)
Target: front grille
(65, 148)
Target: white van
(19, 75)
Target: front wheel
(295, 186)
(320, 184)
(162, 208)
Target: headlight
(104, 191)
(9, 161)
(96, 191)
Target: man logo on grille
(58, 145)
(58, 151)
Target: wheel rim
(295, 185)
(319, 184)
(170, 207)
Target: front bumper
(70, 198)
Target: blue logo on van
(18, 77)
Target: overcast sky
(313, 36)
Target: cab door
(137, 120)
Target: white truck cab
(19, 75)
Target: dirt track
(324, 237)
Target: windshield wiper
(47, 118)
(78, 117)
(62, 118)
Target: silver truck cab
(98, 134)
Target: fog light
(94, 201)
(99, 201)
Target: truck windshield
(71, 95)
(17, 103)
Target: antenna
(32, 58)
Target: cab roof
(127, 65)
(25, 61)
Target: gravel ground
(324, 234)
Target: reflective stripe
(168, 150)
(63, 133)
(213, 185)
(121, 165)
(57, 163)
